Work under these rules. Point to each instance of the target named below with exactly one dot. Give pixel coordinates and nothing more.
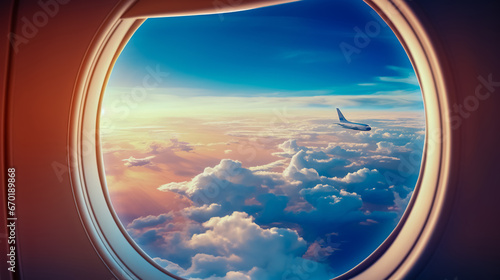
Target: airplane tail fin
(341, 117)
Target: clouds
(290, 200)
(242, 210)
(148, 237)
(202, 213)
(379, 196)
(235, 247)
(319, 161)
(208, 102)
(174, 145)
(238, 233)
(385, 147)
(338, 203)
(177, 145)
(289, 148)
(149, 221)
(333, 149)
(229, 186)
(214, 181)
(131, 161)
(310, 162)
(269, 166)
(359, 176)
(405, 75)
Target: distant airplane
(347, 124)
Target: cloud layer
(131, 161)
(300, 208)
(315, 198)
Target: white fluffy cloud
(226, 182)
(338, 203)
(319, 161)
(290, 148)
(234, 247)
(243, 211)
(131, 161)
(238, 234)
(389, 147)
(149, 221)
(358, 176)
(334, 149)
(202, 213)
(269, 166)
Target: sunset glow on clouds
(233, 166)
(317, 186)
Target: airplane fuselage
(355, 126)
(351, 125)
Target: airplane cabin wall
(52, 241)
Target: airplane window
(277, 143)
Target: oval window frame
(399, 255)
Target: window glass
(225, 155)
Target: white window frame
(401, 254)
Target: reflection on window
(222, 150)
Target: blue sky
(286, 50)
